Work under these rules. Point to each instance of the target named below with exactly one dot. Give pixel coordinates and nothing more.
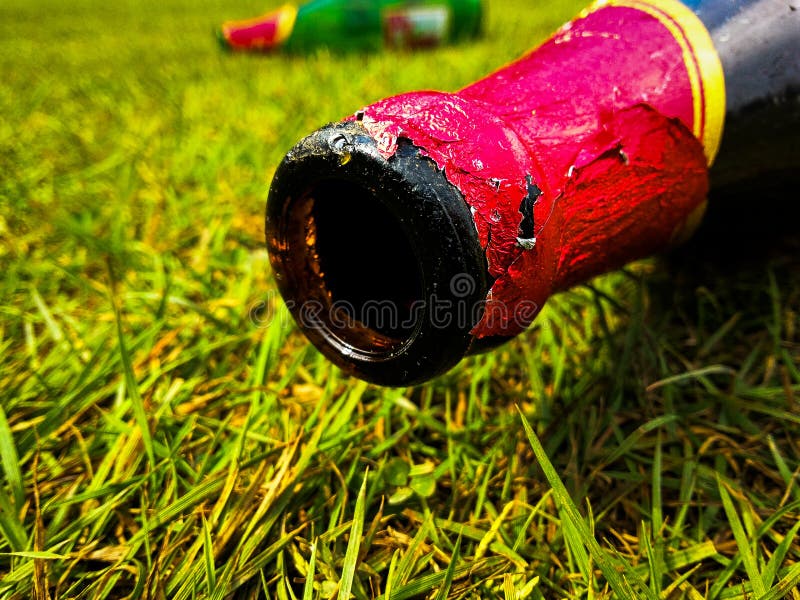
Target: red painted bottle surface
(589, 152)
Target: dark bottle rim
(378, 259)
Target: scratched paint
(568, 176)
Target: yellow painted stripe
(702, 63)
(710, 71)
(286, 22)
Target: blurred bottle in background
(362, 25)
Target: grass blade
(742, 542)
(308, 587)
(406, 565)
(775, 561)
(444, 590)
(353, 544)
(10, 462)
(691, 376)
(137, 404)
(208, 555)
(11, 527)
(785, 585)
(612, 569)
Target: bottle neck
(571, 176)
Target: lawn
(166, 432)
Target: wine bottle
(431, 225)
(356, 25)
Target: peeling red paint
(600, 118)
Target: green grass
(166, 432)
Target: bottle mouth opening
(355, 276)
(370, 255)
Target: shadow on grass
(747, 227)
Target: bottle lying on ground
(431, 225)
(356, 25)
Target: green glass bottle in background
(364, 25)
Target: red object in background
(267, 32)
